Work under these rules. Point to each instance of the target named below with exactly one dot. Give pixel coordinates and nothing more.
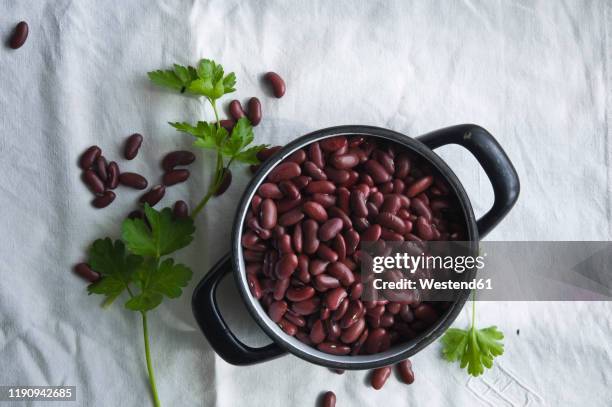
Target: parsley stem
(145, 331)
(473, 309)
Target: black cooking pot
(475, 139)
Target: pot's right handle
(493, 160)
(214, 327)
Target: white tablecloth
(535, 74)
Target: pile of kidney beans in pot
(302, 233)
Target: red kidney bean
(315, 211)
(298, 157)
(394, 308)
(254, 111)
(321, 187)
(280, 288)
(291, 218)
(338, 213)
(268, 152)
(297, 294)
(19, 36)
(371, 234)
(358, 345)
(101, 168)
(177, 158)
(419, 186)
(297, 238)
(341, 272)
(306, 307)
(310, 230)
(376, 311)
(302, 271)
(358, 204)
(236, 110)
(334, 348)
(154, 195)
(285, 205)
(112, 179)
(277, 83)
(344, 161)
(93, 181)
(270, 190)
(330, 229)
(314, 171)
(175, 176)
(286, 265)
(341, 310)
(334, 297)
(133, 180)
(315, 154)
(295, 319)
(333, 144)
(277, 310)
(283, 244)
(377, 171)
(421, 209)
(424, 228)
(398, 186)
(385, 160)
(324, 282)
(136, 214)
(426, 313)
(402, 166)
(380, 376)
(325, 200)
(268, 214)
(284, 171)
(353, 313)
(89, 157)
(132, 145)
(391, 204)
(104, 200)
(329, 399)
(351, 238)
(356, 291)
(326, 253)
(85, 272)
(339, 246)
(180, 210)
(375, 340)
(227, 124)
(387, 320)
(405, 371)
(317, 332)
(391, 221)
(289, 328)
(352, 333)
(289, 189)
(339, 177)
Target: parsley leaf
(165, 236)
(207, 136)
(179, 79)
(475, 349)
(116, 267)
(249, 156)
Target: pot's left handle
(214, 327)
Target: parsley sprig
(139, 263)
(474, 348)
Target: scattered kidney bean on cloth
(302, 233)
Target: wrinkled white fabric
(535, 74)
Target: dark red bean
(402, 166)
(325, 200)
(175, 176)
(358, 204)
(113, 175)
(353, 313)
(339, 177)
(377, 171)
(333, 144)
(352, 333)
(19, 36)
(297, 157)
(334, 297)
(291, 218)
(295, 319)
(268, 152)
(180, 210)
(270, 190)
(177, 158)
(136, 214)
(236, 110)
(391, 221)
(254, 111)
(93, 181)
(339, 246)
(420, 208)
(371, 234)
(341, 272)
(289, 328)
(344, 161)
(133, 180)
(315, 211)
(329, 399)
(316, 155)
(89, 157)
(226, 181)
(356, 291)
(277, 310)
(297, 238)
(380, 376)
(280, 288)
(289, 189)
(375, 340)
(132, 145)
(311, 241)
(154, 195)
(326, 253)
(405, 371)
(268, 214)
(286, 265)
(424, 229)
(228, 124)
(391, 204)
(85, 272)
(334, 348)
(321, 187)
(385, 160)
(317, 332)
(306, 307)
(284, 171)
(104, 200)
(330, 229)
(314, 171)
(324, 282)
(419, 186)
(101, 168)
(426, 313)
(297, 294)
(277, 83)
